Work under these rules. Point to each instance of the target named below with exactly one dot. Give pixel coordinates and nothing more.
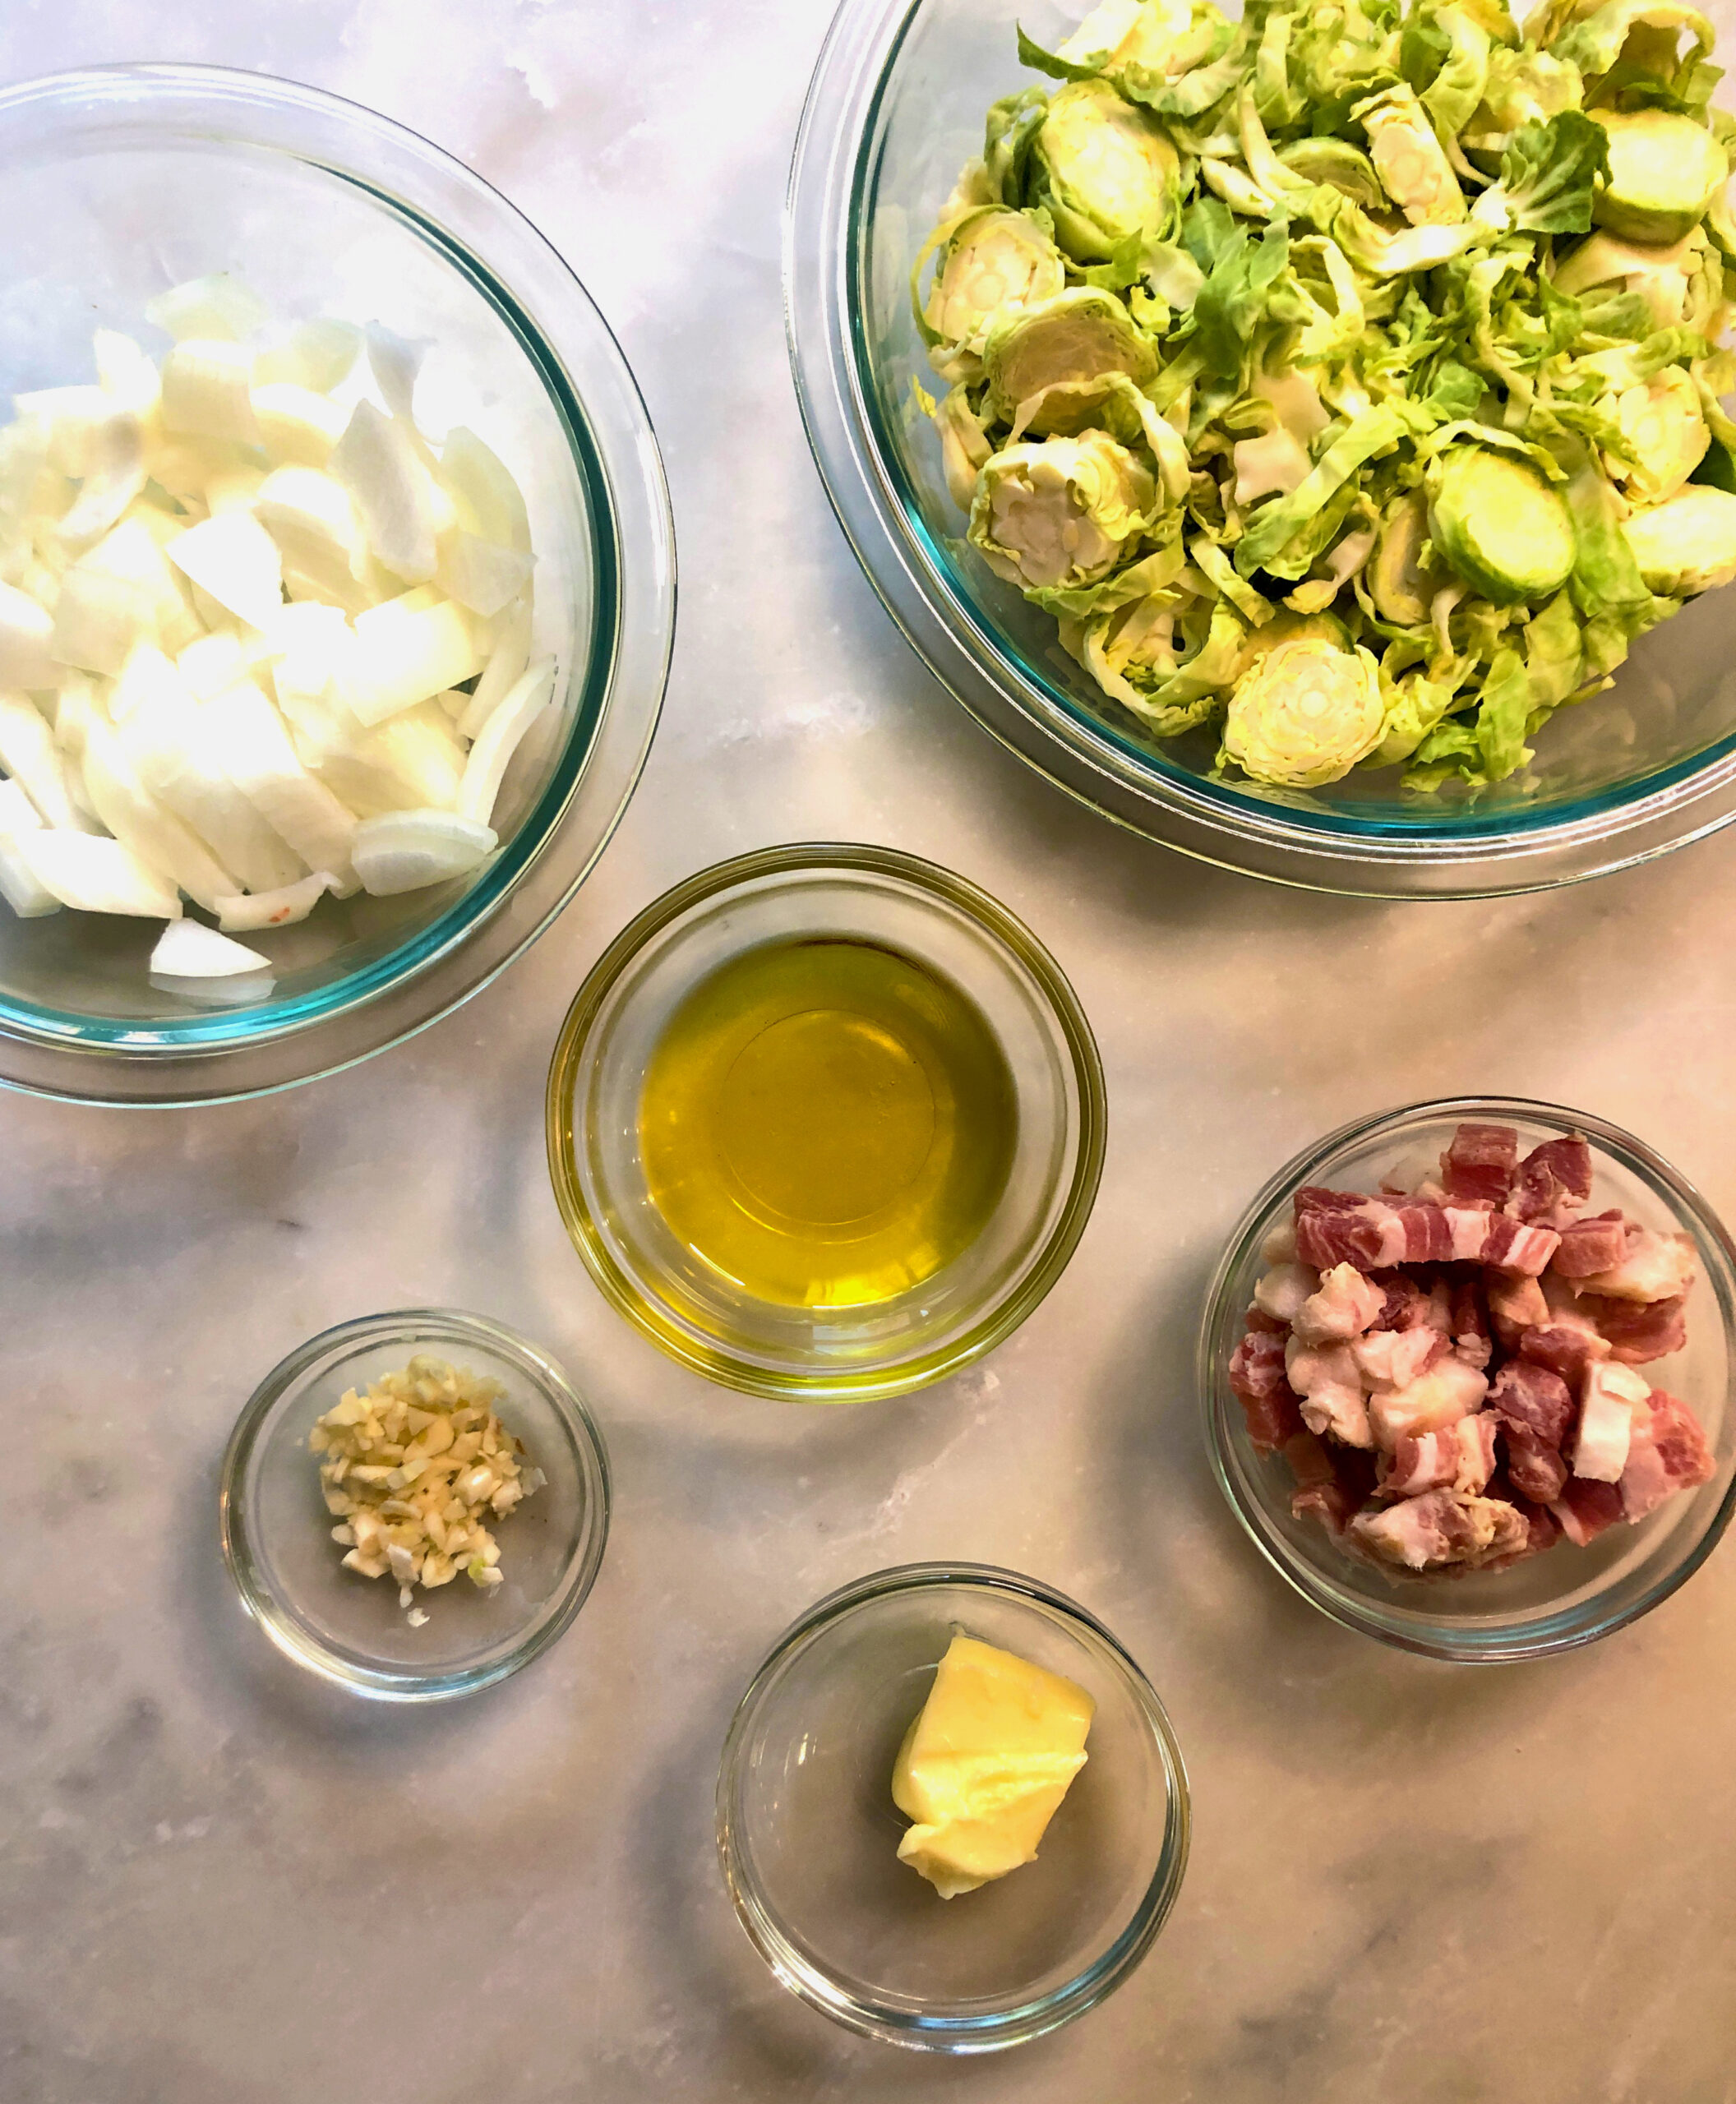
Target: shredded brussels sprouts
(1398, 320)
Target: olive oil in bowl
(827, 1122)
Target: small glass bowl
(809, 1835)
(289, 1571)
(1567, 1596)
(706, 1320)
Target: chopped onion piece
(314, 523)
(274, 909)
(114, 474)
(393, 492)
(408, 652)
(247, 989)
(221, 306)
(187, 949)
(162, 841)
(96, 876)
(254, 747)
(299, 426)
(73, 415)
(404, 851)
(27, 630)
(233, 489)
(486, 500)
(19, 886)
(478, 574)
(28, 754)
(505, 669)
(499, 738)
(395, 362)
(318, 355)
(411, 762)
(235, 561)
(128, 374)
(208, 391)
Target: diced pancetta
(1333, 1484)
(1280, 1245)
(1554, 1183)
(1656, 1267)
(1441, 1527)
(1372, 1235)
(1515, 1305)
(1342, 1308)
(1393, 1359)
(1256, 1378)
(1667, 1453)
(1448, 1390)
(1612, 1394)
(1460, 1458)
(1282, 1290)
(1477, 1168)
(1597, 1244)
(1638, 1331)
(1542, 1529)
(1536, 1409)
(1585, 1509)
(1326, 1378)
(1470, 1332)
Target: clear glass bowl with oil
(825, 1123)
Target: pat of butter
(985, 1764)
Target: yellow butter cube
(985, 1764)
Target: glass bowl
(118, 182)
(896, 109)
(706, 1319)
(809, 1834)
(1567, 1596)
(350, 1630)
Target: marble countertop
(221, 1883)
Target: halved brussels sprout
(994, 261)
(1665, 169)
(1340, 166)
(1149, 39)
(1502, 527)
(1108, 171)
(1409, 159)
(1400, 583)
(1046, 363)
(1293, 628)
(1686, 545)
(1666, 432)
(1304, 712)
(1660, 272)
(965, 450)
(1060, 510)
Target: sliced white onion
(98, 620)
(233, 489)
(248, 990)
(71, 416)
(187, 949)
(312, 520)
(487, 499)
(254, 747)
(411, 762)
(128, 374)
(392, 491)
(395, 362)
(26, 631)
(235, 561)
(406, 850)
(318, 355)
(93, 875)
(408, 653)
(478, 574)
(114, 474)
(299, 426)
(133, 552)
(221, 306)
(499, 740)
(162, 841)
(208, 391)
(19, 887)
(274, 909)
(28, 754)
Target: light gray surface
(220, 1882)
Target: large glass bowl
(1567, 1596)
(896, 107)
(119, 182)
(809, 1835)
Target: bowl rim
(619, 682)
(824, 249)
(1221, 1430)
(808, 1979)
(990, 919)
(419, 1329)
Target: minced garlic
(415, 1466)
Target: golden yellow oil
(827, 1122)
